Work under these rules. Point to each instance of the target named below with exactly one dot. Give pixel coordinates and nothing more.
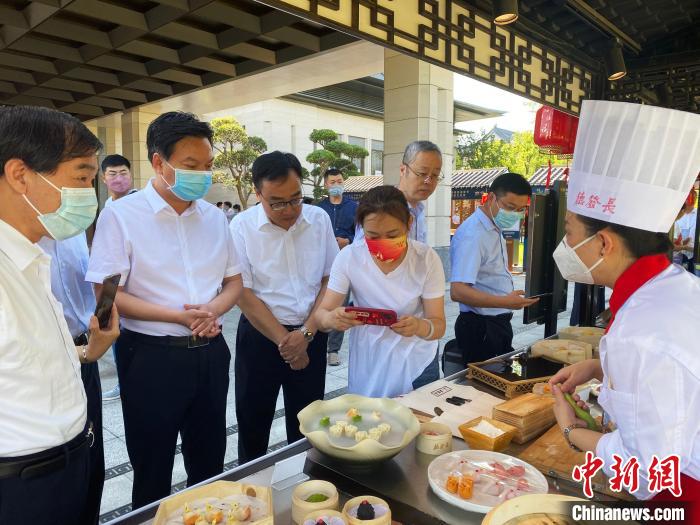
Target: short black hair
(307, 200)
(228, 203)
(112, 161)
(383, 199)
(510, 183)
(169, 128)
(330, 172)
(638, 242)
(237, 207)
(220, 203)
(42, 138)
(274, 166)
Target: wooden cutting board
(531, 414)
(552, 454)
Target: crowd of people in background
(291, 267)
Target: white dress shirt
(164, 258)
(42, 399)
(655, 403)
(382, 362)
(284, 268)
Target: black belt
(185, 341)
(507, 316)
(47, 461)
(81, 340)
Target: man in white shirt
(287, 250)
(180, 275)
(48, 163)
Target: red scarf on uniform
(642, 271)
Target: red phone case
(375, 316)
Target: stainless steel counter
(402, 482)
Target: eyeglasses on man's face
(281, 205)
(427, 177)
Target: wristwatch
(567, 431)
(308, 334)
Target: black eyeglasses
(426, 177)
(279, 206)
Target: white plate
(440, 467)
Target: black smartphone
(539, 295)
(104, 306)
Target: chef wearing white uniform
(388, 361)
(623, 198)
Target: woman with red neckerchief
(632, 168)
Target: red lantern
(555, 131)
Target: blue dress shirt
(342, 217)
(479, 257)
(69, 262)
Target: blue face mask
(190, 185)
(74, 215)
(505, 219)
(335, 191)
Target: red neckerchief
(633, 278)
(642, 271)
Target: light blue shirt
(419, 226)
(479, 257)
(69, 262)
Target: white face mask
(571, 266)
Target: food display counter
(402, 481)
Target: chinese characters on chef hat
(633, 164)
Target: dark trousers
(481, 337)
(166, 391)
(93, 391)
(58, 497)
(260, 372)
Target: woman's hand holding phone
(343, 320)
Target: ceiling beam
(109, 13)
(213, 65)
(219, 12)
(12, 75)
(53, 94)
(25, 62)
(47, 48)
(70, 85)
(104, 102)
(78, 32)
(12, 17)
(588, 12)
(149, 50)
(253, 52)
(179, 32)
(124, 94)
(121, 64)
(7, 87)
(83, 109)
(296, 37)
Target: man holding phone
(180, 275)
(51, 432)
(480, 281)
(287, 249)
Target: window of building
(377, 156)
(358, 141)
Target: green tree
(235, 153)
(521, 155)
(331, 153)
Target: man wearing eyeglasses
(286, 250)
(420, 174)
(480, 281)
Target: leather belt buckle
(196, 341)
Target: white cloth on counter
(382, 362)
(434, 395)
(651, 385)
(42, 399)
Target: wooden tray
(530, 413)
(552, 455)
(510, 389)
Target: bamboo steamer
(530, 414)
(533, 509)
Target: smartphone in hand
(104, 306)
(375, 316)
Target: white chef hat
(633, 164)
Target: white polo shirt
(382, 362)
(42, 399)
(164, 258)
(284, 268)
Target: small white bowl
(301, 507)
(434, 445)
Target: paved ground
(117, 490)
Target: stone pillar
(134, 126)
(419, 105)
